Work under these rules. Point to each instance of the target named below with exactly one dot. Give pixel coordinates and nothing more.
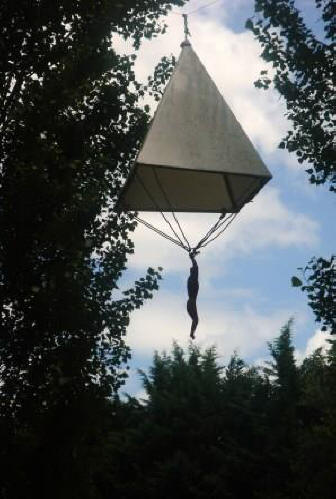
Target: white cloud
(269, 222)
(142, 395)
(159, 322)
(318, 340)
(165, 319)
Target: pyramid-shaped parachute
(196, 156)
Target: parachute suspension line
(229, 221)
(220, 226)
(224, 221)
(211, 230)
(158, 231)
(171, 208)
(178, 240)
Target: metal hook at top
(186, 30)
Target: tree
(314, 457)
(320, 284)
(71, 123)
(283, 378)
(201, 424)
(283, 368)
(304, 75)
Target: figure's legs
(192, 311)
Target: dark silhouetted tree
(319, 282)
(304, 73)
(71, 122)
(204, 430)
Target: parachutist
(193, 287)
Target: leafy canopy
(304, 75)
(71, 124)
(203, 422)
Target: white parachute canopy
(196, 156)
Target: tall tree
(315, 455)
(70, 126)
(71, 122)
(197, 429)
(304, 75)
(283, 367)
(202, 424)
(282, 411)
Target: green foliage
(321, 291)
(70, 127)
(195, 425)
(315, 456)
(296, 282)
(202, 424)
(161, 76)
(303, 74)
(283, 367)
(71, 123)
(320, 285)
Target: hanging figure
(193, 287)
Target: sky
(245, 294)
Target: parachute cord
(229, 222)
(223, 220)
(216, 227)
(160, 232)
(220, 226)
(212, 230)
(171, 208)
(162, 214)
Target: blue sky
(245, 294)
